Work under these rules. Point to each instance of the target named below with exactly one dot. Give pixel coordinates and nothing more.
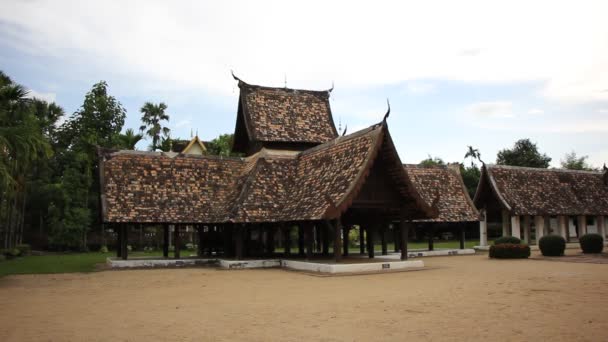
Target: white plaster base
(351, 268)
(151, 263)
(243, 264)
(424, 253)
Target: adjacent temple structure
(569, 203)
(297, 173)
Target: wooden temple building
(525, 200)
(299, 179)
(443, 185)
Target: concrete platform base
(425, 253)
(569, 245)
(351, 268)
(155, 262)
(305, 266)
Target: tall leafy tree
(97, 123)
(222, 146)
(152, 118)
(523, 153)
(573, 162)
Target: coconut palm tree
(473, 153)
(129, 139)
(152, 118)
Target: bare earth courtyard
(457, 298)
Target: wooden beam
(301, 239)
(199, 232)
(337, 239)
(287, 236)
(431, 232)
(270, 232)
(361, 239)
(165, 240)
(462, 232)
(325, 238)
(383, 230)
(370, 239)
(124, 254)
(117, 227)
(176, 241)
(404, 227)
(308, 238)
(239, 241)
(396, 238)
(345, 231)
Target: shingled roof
(446, 184)
(319, 183)
(535, 191)
(282, 115)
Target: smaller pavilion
(442, 186)
(527, 200)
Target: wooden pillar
(176, 241)
(345, 230)
(117, 227)
(562, 226)
(462, 234)
(431, 232)
(318, 241)
(239, 241)
(125, 241)
(527, 229)
(325, 238)
(227, 238)
(270, 232)
(404, 227)
(286, 228)
(370, 239)
(483, 228)
(383, 230)
(301, 239)
(165, 240)
(199, 231)
(396, 238)
(581, 226)
(337, 239)
(505, 222)
(308, 238)
(361, 239)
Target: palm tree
(473, 153)
(151, 119)
(129, 139)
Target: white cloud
(536, 111)
(195, 44)
(48, 97)
(603, 111)
(183, 123)
(491, 109)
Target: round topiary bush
(507, 239)
(509, 251)
(552, 245)
(591, 243)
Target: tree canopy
(573, 162)
(152, 123)
(432, 161)
(523, 153)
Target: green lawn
(85, 262)
(62, 263)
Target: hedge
(552, 245)
(509, 251)
(507, 239)
(591, 243)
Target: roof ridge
(243, 84)
(542, 169)
(341, 139)
(442, 167)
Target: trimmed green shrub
(2, 257)
(591, 243)
(103, 249)
(10, 253)
(552, 245)
(507, 239)
(509, 251)
(24, 249)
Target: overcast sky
(457, 73)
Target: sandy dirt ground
(463, 298)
